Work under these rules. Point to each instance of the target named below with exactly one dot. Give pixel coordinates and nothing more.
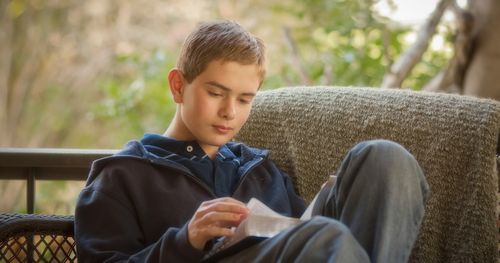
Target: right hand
(214, 218)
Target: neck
(211, 152)
(177, 130)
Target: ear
(176, 83)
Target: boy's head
(220, 69)
(221, 40)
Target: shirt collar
(163, 146)
(225, 153)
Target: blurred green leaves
(346, 43)
(340, 43)
(137, 96)
(16, 8)
(98, 69)
(96, 76)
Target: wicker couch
(454, 138)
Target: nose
(228, 109)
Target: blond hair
(221, 40)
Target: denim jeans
(371, 214)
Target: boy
(166, 197)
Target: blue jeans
(371, 214)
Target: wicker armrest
(36, 238)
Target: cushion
(454, 138)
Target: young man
(166, 198)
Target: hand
(215, 218)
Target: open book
(262, 223)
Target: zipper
(200, 183)
(187, 173)
(245, 174)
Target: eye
(214, 94)
(245, 101)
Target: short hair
(220, 40)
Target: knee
(387, 159)
(383, 154)
(381, 150)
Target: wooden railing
(33, 164)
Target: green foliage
(339, 42)
(345, 43)
(57, 197)
(139, 101)
(342, 43)
(433, 61)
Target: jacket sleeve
(106, 230)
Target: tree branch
(451, 78)
(405, 63)
(386, 41)
(296, 59)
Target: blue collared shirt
(219, 174)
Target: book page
(256, 207)
(308, 213)
(263, 222)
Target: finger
(228, 207)
(220, 219)
(198, 236)
(216, 231)
(222, 200)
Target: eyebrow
(220, 86)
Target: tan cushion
(310, 129)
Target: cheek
(198, 106)
(243, 117)
(205, 107)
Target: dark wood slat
(48, 157)
(35, 164)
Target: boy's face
(216, 104)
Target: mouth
(222, 129)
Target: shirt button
(189, 148)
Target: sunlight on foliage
(93, 74)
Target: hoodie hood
(162, 150)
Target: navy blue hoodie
(136, 204)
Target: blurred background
(92, 74)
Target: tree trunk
(482, 78)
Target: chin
(218, 142)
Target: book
(261, 223)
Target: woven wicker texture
(36, 238)
(310, 129)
